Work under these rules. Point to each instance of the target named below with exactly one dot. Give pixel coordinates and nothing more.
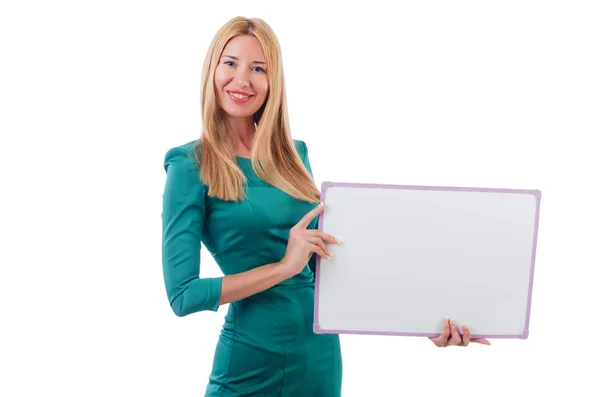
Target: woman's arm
(182, 223)
(183, 214)
(242, 285)
(303, 152)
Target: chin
(238, 114)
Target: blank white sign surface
(412, 255)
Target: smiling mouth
(239, 96)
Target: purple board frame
(329, 184)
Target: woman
(245, 189)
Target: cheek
(262, 85)
(220, 78)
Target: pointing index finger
(306, 219)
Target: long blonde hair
(274, 157)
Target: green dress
(267, 346)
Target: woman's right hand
(304, 242)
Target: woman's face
(241, 83)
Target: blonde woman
(245, 190)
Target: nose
(242, 77)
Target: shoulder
(181, 165)
(181, 156)
(300, 147)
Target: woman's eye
(258, 69)
(229, 63)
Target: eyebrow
(237, 59)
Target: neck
(242, 133)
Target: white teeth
(238, 95)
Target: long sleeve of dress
(312, 263)
(182, 226)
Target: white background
(452, 93)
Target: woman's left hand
(451, 337)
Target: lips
(239, 96)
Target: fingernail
(465, 326)
(339, 241)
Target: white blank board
(412, 255)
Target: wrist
(283, 270)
